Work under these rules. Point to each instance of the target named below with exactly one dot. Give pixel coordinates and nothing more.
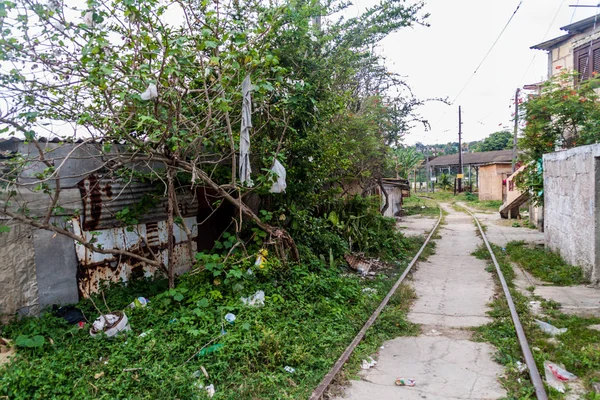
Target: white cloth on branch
(245, 133)
(279, 185)
(150, 93)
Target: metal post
(514, 152)
(428, 172)
(460, 164)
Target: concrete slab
(500, 232)
(576, 300)
(443, 368)
(453, 290)
(453, 287)
(583, 301)
(415, 225)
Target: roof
(486, 157)
(580, 26)
(549, 44)
(572, 30)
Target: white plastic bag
(555, 376)
(257, 300)
(367, 364)
(279, 185)
(550, 329)
(150, 93)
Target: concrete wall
(18, 283)
(490, 180)
(571, 194)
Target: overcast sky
(439, 60)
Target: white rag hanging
(150, 93)
(245, 133)
(279, 185)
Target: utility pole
(514, 153)
(428, 172)
(460, 162)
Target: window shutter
(596, 57)
(583, 65)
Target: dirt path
(453, 289)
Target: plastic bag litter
(256, 300)
(210, 390)
(110, 324)
(279, 185)
(229, 317)
(550, 329)
(150, 93)
(369, 290)
(261, 258)
(556, 375)
(289, 369)
(405, 382)
(368, 364)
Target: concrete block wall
(571, 194)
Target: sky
(440, 59)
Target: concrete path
(500, 231)
(416, 225)
(453, 289)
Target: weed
(544, 264)
(577, 349)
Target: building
(40, 268)
(577, 50)
(488, 169)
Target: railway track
(525, 349)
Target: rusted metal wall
(149, 239)
(102, 200)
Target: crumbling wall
(570, 206)
(18, 282)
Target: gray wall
(18, 284)
(56, 268)
(570, 206)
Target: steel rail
(320, 390)
(534, 374)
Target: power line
(489, 51)
(574, 11)
(544, 38)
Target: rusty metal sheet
(144, 239)
(103, 198)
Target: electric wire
(489, 51)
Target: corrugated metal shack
(40, 268)
(396, 190)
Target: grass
(420, 206)
(312, 312)
(545, 264)
(577, 349)
(471, 199)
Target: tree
(162, 101)
(405, 160)
(562, 116)
(502, 140)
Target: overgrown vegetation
(564, 115)
(577, 349)
(312, 311)
(545, 264)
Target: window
(583, 66)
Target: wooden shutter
(583, 66)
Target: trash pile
(366, 267)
